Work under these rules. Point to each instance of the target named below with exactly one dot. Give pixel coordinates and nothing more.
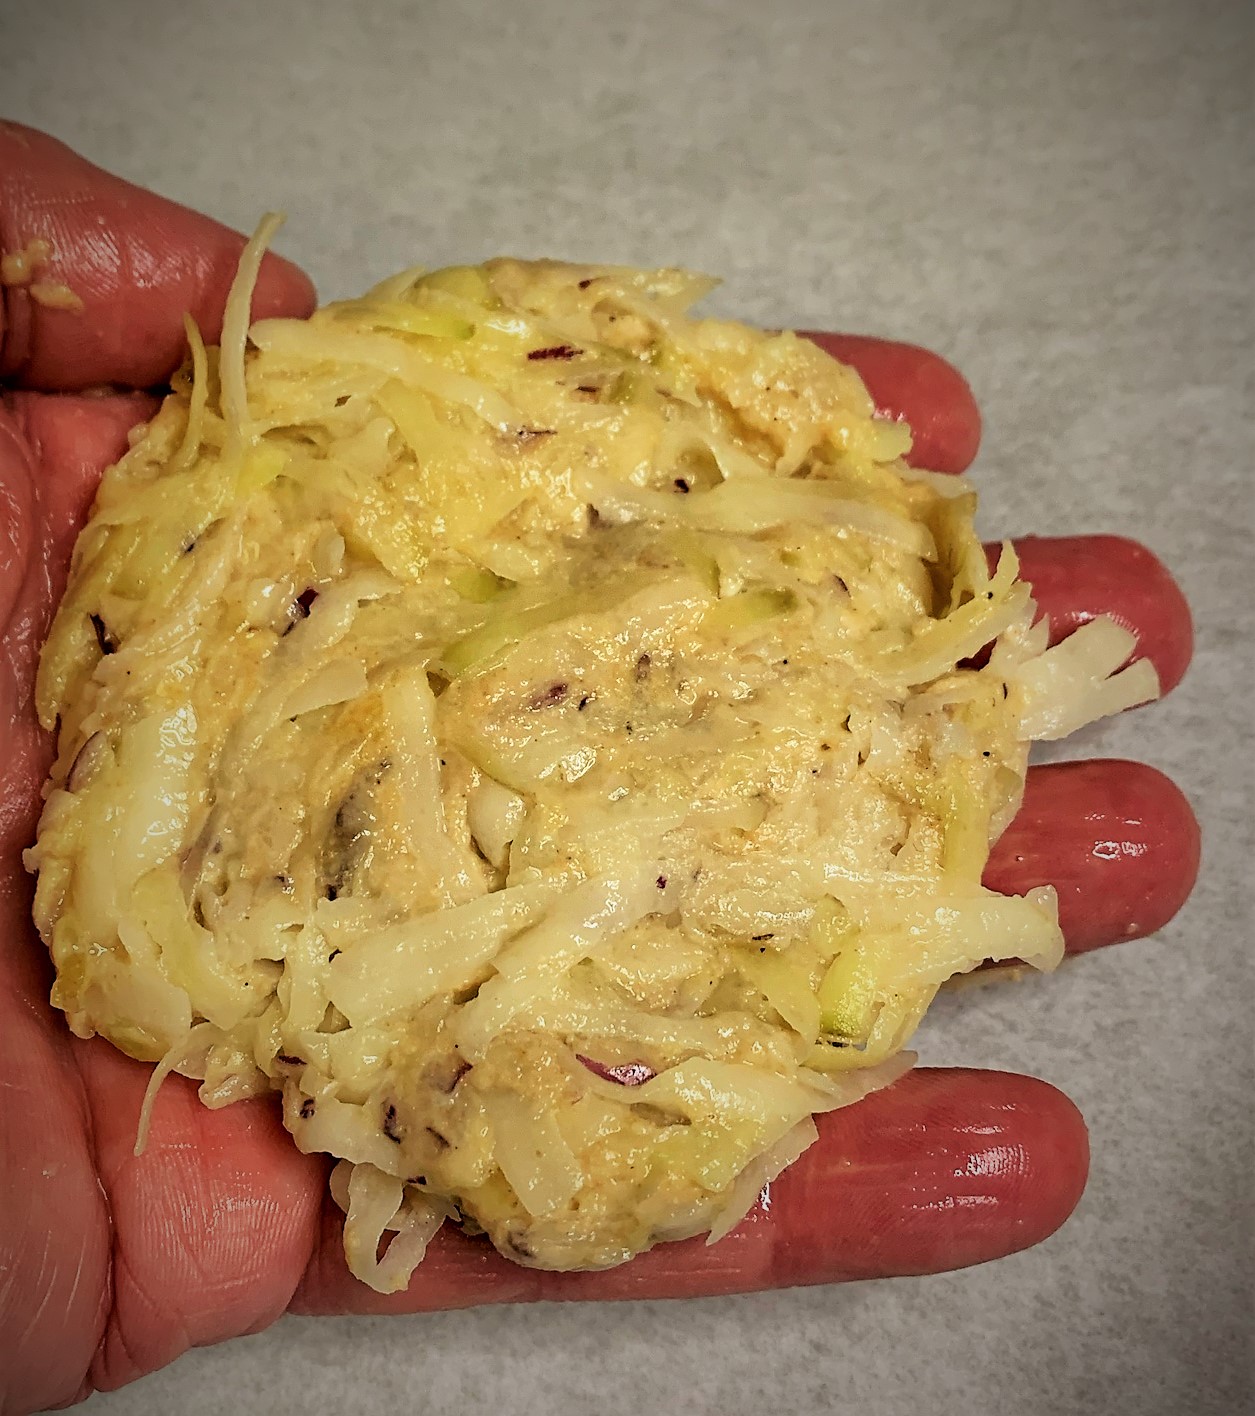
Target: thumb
(132, 262)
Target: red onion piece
(627, 1074)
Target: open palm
(111, 1265)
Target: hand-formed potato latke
(547, 739)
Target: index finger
(105, 304)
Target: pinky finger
(942, 1170)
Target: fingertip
(967, 1166)
(1180, 839)
(1118, 840)
(919, 387)
(129, 263)
(1077, 578)
(283, 289)
(1054, 1163)
(1160, 832)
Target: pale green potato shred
(526, 727)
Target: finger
(1077, 578)
(135, 261)
(942, 1170)
(1118, 841)
(919, 387)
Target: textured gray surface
(1058, 197)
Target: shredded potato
(545, 737)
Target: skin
(111, 1266)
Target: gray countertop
(1058, 197)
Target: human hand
(111, 1265)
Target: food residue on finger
(54, 295)
(556, 799)
(18, 270)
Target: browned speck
(549, 697)
(460, 1069)
(518, 1245)
(554, 351)
(106, 640)
(85, 761)
(390, 1128)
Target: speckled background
(1059, 197)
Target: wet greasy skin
(116, 1265)
(1123, 849)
